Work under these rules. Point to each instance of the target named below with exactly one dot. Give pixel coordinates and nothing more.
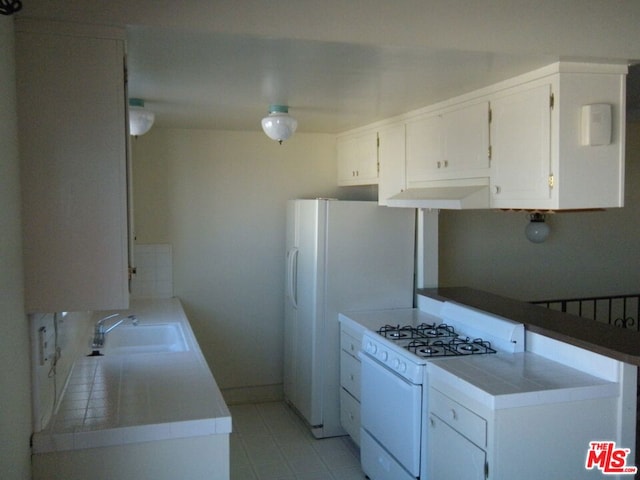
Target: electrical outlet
(42, 345)
(46, 345)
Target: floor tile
(270, 442)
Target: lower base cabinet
(469, 442)
(197, 458)
(350, 342)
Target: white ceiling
(340, 64)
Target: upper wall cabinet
(73, 149)
(551, 150)
(551, 139)
(391, 158)
(358, 159)
(521, 147)
(450, 144)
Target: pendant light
(279, 125)
(140, 119)
(537, 231)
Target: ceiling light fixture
(279, 125)
(140, 119)
(537, 231)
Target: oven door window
(391, 411)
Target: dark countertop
(614, 342)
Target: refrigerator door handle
(292, 271)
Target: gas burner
(397, 332)
(436, 331)
(428, 349)
(470, 347)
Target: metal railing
(619, 310)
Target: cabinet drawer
(460, 418)
(350, 415)
(350, 374)
(349, 343)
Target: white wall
(586, 254)
(219, 198)
(15, 392)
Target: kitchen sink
(145, 338)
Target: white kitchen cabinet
(454, 429)
(391, 157)
(522, 136)
(424, 148)
(358, 159)
(350, 343)
(521, 146)
(465, 141)
(449, 144)
(538, 157)
(454, 454)
(73, 153)
(524, 417)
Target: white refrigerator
(341, 256)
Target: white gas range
(394, 398)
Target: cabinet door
(391, 156)
(358, 159)
(350, 415)
(521, 148)
(451, 456)
(424, 149)
(71, 114)
(465, 142)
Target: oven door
(391, 412)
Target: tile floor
(269, 441)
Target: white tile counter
(516, 380)
(120, 400)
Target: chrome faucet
(100, 332)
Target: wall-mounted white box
(596, 124)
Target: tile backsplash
(57, 339)
(154, 271)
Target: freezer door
(305, 245)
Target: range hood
(445, 197)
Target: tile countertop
(517, 380)
(617, 343)
(131, 398)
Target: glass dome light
(537, 231)
(279, 125)
(140, 119)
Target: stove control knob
(371, 348)
(384, 356)
(402, 368)
(396, 364)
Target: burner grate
(471, 347)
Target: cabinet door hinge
(486, 469)
(378, 160)
(552, 100)
(490, 115)
(490, 152)
(552, 181)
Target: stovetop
(447, 331)
(434, 340)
